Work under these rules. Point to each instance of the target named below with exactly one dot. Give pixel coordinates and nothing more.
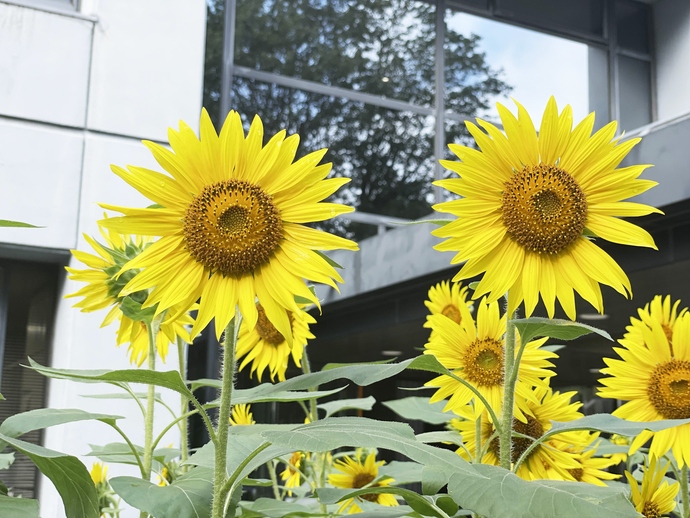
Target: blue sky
(537, 65)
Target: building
(126, 70)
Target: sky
(537, 65)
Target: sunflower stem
(152, 330)
(306, 369)
(684, 491)
(220, 477)
(506, 432)
(184, 403)
(478, 440)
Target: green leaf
(187, 497)
(611, 424)
(473, 285)
(438, 222)
(419, 409)
(121, 453)
(272, 508)
(421, 504)
(328, 259)
(2, 398)
(337, 432)
(168, 379)
(120, 395)
(266, 392)
(552, 348)
(340, 405)
(403, 472)
(446, 436)
(6, 460)
(69, 476)
(499, 493)
(9, 223)
(18, 507)
(536, 327)
(19, 424)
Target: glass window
(27, 306)
(527, 65)
(380, 47)
(387, 153)
(632, 25)
(634, 93)
(585, 17)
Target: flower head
(654, 379)
(356, 474)
(291, 474)
(531, 202)
(230, 214)
(99, 473)
(449, 300)
(476, 354)
(267, 349)
(656, 497)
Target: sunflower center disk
(232, 227)
(544, 209)
(532, 428)
(266, 330)
(362, 479)
(484, 362)
(651, 510)
(669, 389)
(577, 473)
(452, 312)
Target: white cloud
(537, 65)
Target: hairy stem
(220, 477)
(506, 432)
(306, 369)
(152, 329)
(184, 403)
(478, 440)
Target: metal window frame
(607, 42)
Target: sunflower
(266, 348)
(99, 473)
(291, 474)
(592, 469)
(449, 300)
(531, 202)
(655, 381)
(476, 354)
(241, 415)
(659, 309)
(657, 497)
(230, 216)
(105, 278)
(356, 474)
(618, 440)
(552, 459)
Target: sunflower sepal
(561, 329)
(134, 310)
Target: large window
(27, 307)
(386, 84)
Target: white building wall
(672, 55)
(78, 91)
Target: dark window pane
(31, 292)
(382, 47)
(585, 17)
(632, 25)
(482, 5)
(599, 85)
(387, 153)
(634, 92)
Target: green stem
(274, 480)
(220, 477)
(306, 369)
(184, 402)
(131, 447)
(171, 424)
(684, 491)
(505, 436)
(152, 329)
(478, 440)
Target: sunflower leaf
(439, 222)
(271, 508)
(18, 507)
(9, 223)
(339, 405)
(187, 497)
(328, 259)
(537, 327)
(424, 505)
(168, 379)
(499, 493)
(611, 424)
(69, 476)
(419, 409)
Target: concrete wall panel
(44, 64)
